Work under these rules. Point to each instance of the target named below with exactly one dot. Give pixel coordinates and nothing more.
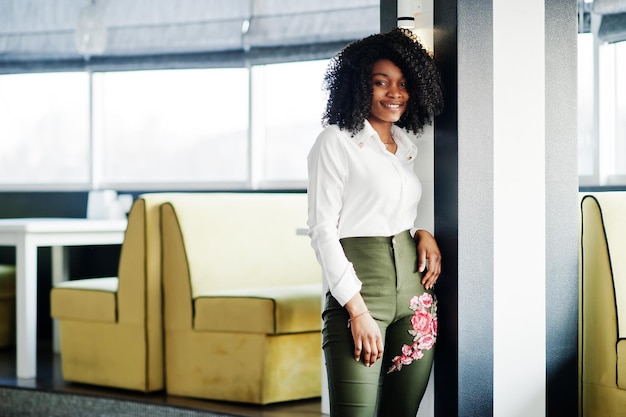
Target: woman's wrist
(421, 232)
(356, 308)
(356, 316)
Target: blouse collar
(407, 149)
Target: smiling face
(389, 96)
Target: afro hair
(348, 80)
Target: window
(587, 144)
(601, 112)
(169, 127)
(225, 128)
(290, 103)
(44, 129)
(611, 118)
(620, 111)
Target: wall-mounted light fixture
(90, 35)
(418, 16)
(407, 9)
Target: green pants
(387, 267)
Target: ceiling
(42, 33)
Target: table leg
(60, 273)
(26, 308)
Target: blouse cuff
(347, 287)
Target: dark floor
(50, 380)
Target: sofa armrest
(93, 299)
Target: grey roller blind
(39, 35)
(613, 24)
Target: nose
(394, 91)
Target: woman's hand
(428, 250)
(368, 341)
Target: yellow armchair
(242, 298)
(111, 328)
(602, 313)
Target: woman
(379, 270)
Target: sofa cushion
(91, 299)
(269, 310)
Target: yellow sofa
(602, 313)
(7, 305)
(111, 328)
(242, 298)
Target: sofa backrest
(242, 240)
(132, 269)
(139, 269)
(602, 321)
(605, 213)
(139, 295)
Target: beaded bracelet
(356, 317)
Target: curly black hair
(348, 80)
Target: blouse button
(361, 144)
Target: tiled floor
(50, 379)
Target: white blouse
(358, 188)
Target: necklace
(390, 143)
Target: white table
(29, 234)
